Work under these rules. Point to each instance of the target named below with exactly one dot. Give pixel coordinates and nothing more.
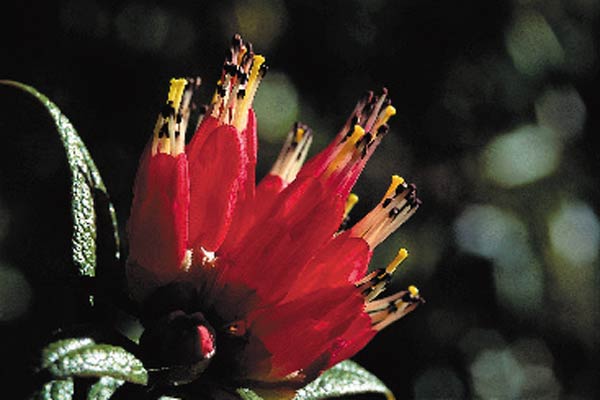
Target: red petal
(297, 334)
(216, 174)
(206, 127)
(276, 248)
(250, 145)
(356, 337)
(158, 224)
(253, 210)
(342, 261)
(318, 163)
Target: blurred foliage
(496, 109)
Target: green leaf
(344, 379)
(247, 394)
(56, 390)
(85, 179)
(81, 357)
(100, 360)
(104, 388)
(56, 350)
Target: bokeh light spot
(276, 106)
(496, 374)
(519, 282)
(261, 21)
(536, 361)
(575, 233)
(488, 231)
(478, 339)
(500, 236)
(532, 351)
(15, 293)
(439, 383)
(523, 156)
(561, 110)
(532, 44)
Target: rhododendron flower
(265, 282)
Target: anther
(293, 153)
(165, 139)
(385, 311)
(397, 206)
(350, 203)
(400, 257)
(379, 279)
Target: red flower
(285, 288)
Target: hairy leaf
(56, 350)
(98, 361)
(56, 390)
(247, 394)
(85, 179)
(104, 388)
(344, 379)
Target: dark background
(497, 104)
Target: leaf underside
(85, 179)
(344, 379)
(68, 359)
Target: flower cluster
(264, 281)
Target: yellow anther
(388, 113)
(350, 203)
(414, 292)
(176, 92)
(299, 135)
(347, 148)
(401, 256)
(384, 117)
(397, 180)
(257, 62)
(241, 113)
(357, 134)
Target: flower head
(265, 281)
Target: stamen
(371, 113)
(397, 180)
(414, 291)
(375, 111)
(168, 137)
(400, 257)
(390, 309)
(258, 71)
(379, 279)
(358, 139)
(240, 77)
(347, 150)
(350, 203)
(176, 92)
(231, 87)
(383, 118)
(397, 206)
(185, 110)
(293, 153)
